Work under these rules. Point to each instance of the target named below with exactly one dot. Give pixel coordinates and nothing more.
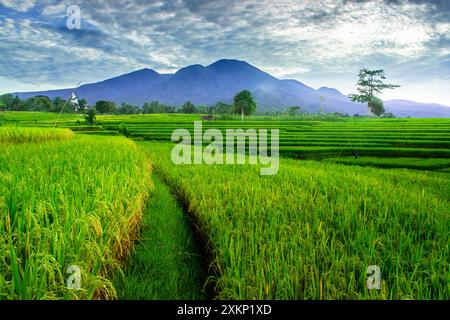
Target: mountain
(220, 81)
(331, 92)
(405, 108)
(114, 89)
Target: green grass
(68, 202)
(311, 231)
(166, 264)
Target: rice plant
(67, 202)
(14, 135)
(311, 231)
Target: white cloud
(18, 5)
(55, 9)
(311, 40)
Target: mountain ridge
(220, 81)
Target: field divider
(210, 268)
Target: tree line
(243, 104)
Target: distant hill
(114, 89)
(331, 92)
(405, 108)
(220, 81)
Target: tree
(188, 107)
(168, 109)
(57, 104)
(6, 100)
(38, 103)
(223, 108)
(83, 104)
(152, 107)
(17, 104)
(202, 109)
(90, 116)
(388, 115)
(244, 104)
(128, 109)
(377, 106)
(371, 82)
(123, 129)
(103, 106)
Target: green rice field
(349, 193)
(76, 201)
(301, 139)
(310, 231)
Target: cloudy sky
(321, 43)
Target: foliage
(188, 108)
(223, 108)
(123, 130)
(376, 106)
(6, 100)
(15, 135)
(311, 231)
(83, 104)
(103, 107)
(370, 83)
(388, 115)
(127, 108)
(244, 104)
(410, 163)
(156, 107)
(59, 105)
(294, 110)
(90, 116)
(38, 103)
(68, 202)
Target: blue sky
(321, 43)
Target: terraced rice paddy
(300, 139)
(410, 163)
(385, 138)
(344, 198)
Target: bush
(91, 116)
(376, 106)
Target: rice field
(312, 139)
(14, 135)
(311, 231)
(67, 202)
(299, 139)
(349, 193)
(410, 163)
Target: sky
(320, 43)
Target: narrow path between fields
(166, 264)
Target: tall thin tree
(369, 84)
